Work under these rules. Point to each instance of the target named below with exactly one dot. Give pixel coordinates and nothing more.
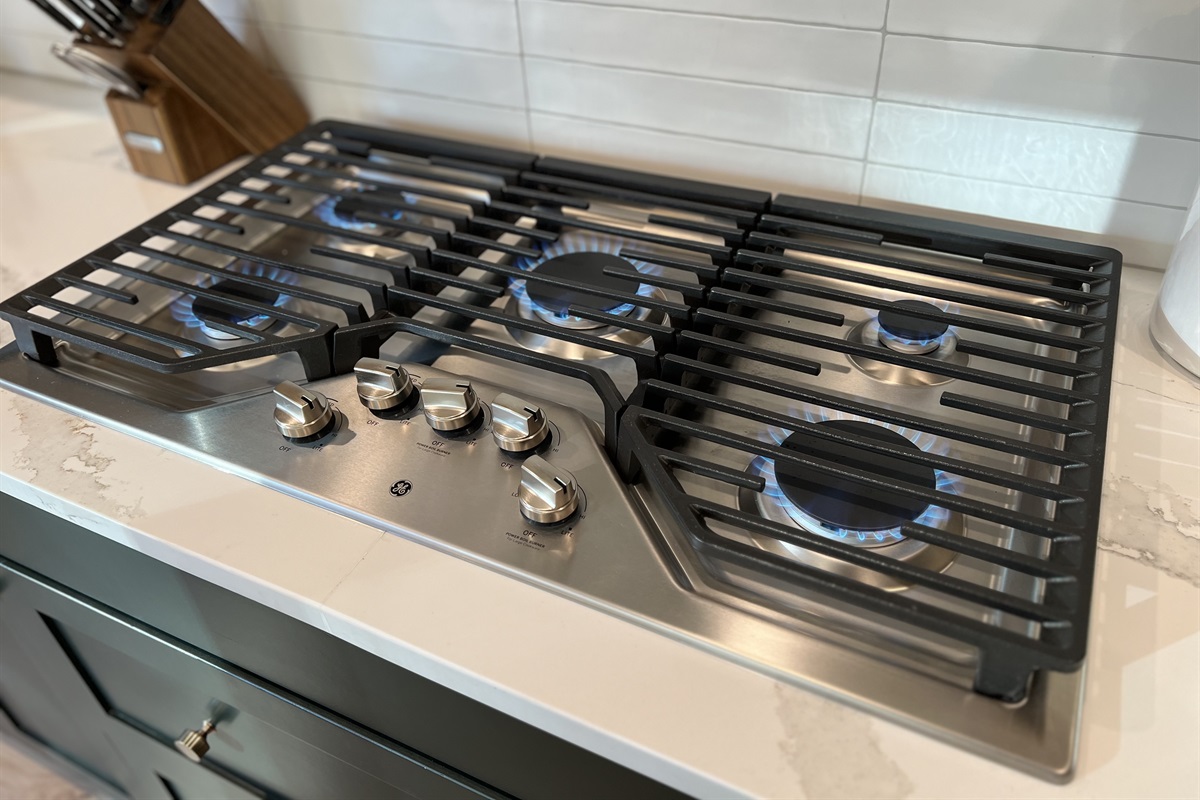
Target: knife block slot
(169, 136)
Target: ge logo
(401, 488)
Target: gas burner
(342, 212)
(905, 333)
(199, 314)
(837, 508)
(898, 330)
(584, 258)
(553, 303)
(853, 510)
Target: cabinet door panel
(267, 739)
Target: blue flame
(182, 308)
(578, 243)
(933, 516)
(326, 211)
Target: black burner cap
(583, 267)
(211, 308)
(843, 503)
(895, 321)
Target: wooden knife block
(208, 100)
(170, 137)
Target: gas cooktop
(858, 450)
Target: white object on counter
(1175, 323)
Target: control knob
(547, 494)
(384, 386)
(302, 414)
(518, 426)
(451, 406)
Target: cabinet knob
(194, 744)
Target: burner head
(842, 503)
(582, 267)
(905, 333)
(210, 308)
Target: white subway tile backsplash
(1137, 94)
(479, 24)
(1052, 155)
(1057, 115)
(416, 68)
(844, 13)
(785, 118)
(1144, 233)
(1159, 28)
(752, 51)
(504, 127)
(702, 159)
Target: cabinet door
(150, 687)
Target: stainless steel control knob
(382, 385)
(194, 744)
(450, 405)
(548, 494)
(302, 413)
(518, 426)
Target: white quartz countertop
(693, 720)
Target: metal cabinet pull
(194, 744)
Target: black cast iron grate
(760, 354)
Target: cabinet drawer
(267, 740)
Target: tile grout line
(866, 159)
(524, 75)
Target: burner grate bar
(327, 172)
(668, 307)
(949, 585)
(484, 243)
(925, 364)
(386, 167)
(755, 258)
(701, 270)
(662, 334)
(536, 195)
(685, 288)
(954, 466)
(1045, 270)
(727, 297)
(488, 290)
(787, 226)
(354, 311)
(734, 275)
(275, 312)
(1013, 414)
(559, 220)
(1063, 295)
(736, 215)
(735, 348)
(207, 222)
(792, 392)
(112, 293)
(256, 194)
(1021, 359)
(440, 236)
(320, 227)
(124, 326)
(645, 360)
(375, 289)
(508, 227)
